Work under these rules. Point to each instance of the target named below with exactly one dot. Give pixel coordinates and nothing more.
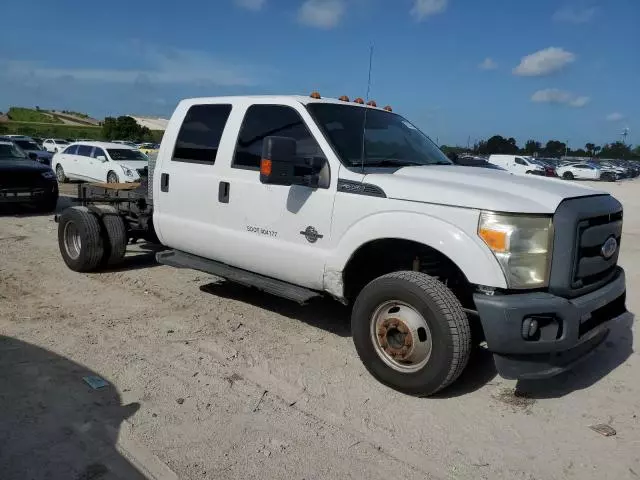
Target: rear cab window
(200, 133)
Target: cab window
(262, 121)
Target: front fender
(468, 252)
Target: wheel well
(383, 256)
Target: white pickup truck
(291, 195)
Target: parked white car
(100, 162)
(582, 171)
(55, 145)
(518, 164)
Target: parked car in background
(468, 161)
(579, 171)
(125, 142)
(31, 148)
(549, 169)
(100, 162)
(54, 145)
(621, 172)
(518, 164)
(148, 148)
(23, 181)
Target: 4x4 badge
(311, 234)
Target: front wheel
(112, 177)
(411, 333)
(567, 176)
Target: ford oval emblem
(609, 248)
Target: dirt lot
(210, 380)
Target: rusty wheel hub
(401, 336)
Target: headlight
(127, 171)
(522, 246)
(48, 174)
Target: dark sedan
(25, 181)
(32, 149)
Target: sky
(462, 70)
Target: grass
(47, 130)
(19, 114)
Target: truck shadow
(52, 424)
(140, 256)
(321, 313)
(612, 353)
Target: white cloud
(161, 66)
(321, 13)
(614, 117)
(488, 64)
(575, 15)
(544, 62)
(253, 5)
(424, 8)
(560, 97)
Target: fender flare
(469, 253)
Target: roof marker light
(388, 108)
(372, 103)
(359, 100)
(344, 98)
(315, 95)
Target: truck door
(186, 181)
(278, 231)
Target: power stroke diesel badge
(311, 234)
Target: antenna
(366, 109)
(624, 135)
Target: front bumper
(28, 194)
(568, 329)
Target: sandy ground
(211, 380)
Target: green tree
(616, 150)
(555, 148)
(590, 148)
(499, 144)
(125, 128)
(532, 147)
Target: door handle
(164, 182)
(223, 192)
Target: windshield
(125, 154)
(11, 151)
(27, 144)
(389, 140)
(61, 142)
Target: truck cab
(305, 196)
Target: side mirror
(101, 158)
(279, 164)
(33, 156)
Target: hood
(478, 188)
(20, 165)
(134, 164)
(40, 153)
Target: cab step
(178, 259)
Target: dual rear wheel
(94, 238)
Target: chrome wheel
(60, 174)
(401, 336)
(72, 241)
(112, 178)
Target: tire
(567, 176)
(447, 329)
(60, 175)
(115, 235)
(85, 254)
(112, 177)
(528, 172)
